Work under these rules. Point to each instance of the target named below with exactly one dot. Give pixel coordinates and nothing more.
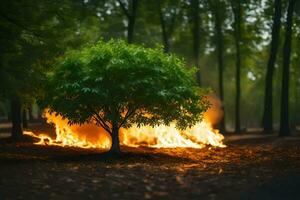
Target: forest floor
(252, 168)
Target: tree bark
(236, 7)
(115, 146)
(220, 52)
(30, 113)
(196, 36)
(24, 119)
(163, 28)
(130, 13)
(131, 21)
(268, 101)
(16, 118)
(284, 111)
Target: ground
(253, 168)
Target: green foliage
(32, 34)
(116, 82)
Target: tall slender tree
(237, 13)
(195, 18)
(268, 101)
(130, 11)
(217, 10)
(284, 109)
(167, 18)
(24, 118)
(16, 109)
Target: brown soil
(266, 168)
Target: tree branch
(100, 118)
(102, 125)
(127, 115)
(100, 121)
(125, 10)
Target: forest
(208, 90)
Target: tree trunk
(16, 118)
(131, 21)
(24, 119)
(196, 36)
(220, 50)
(284, 111)
(30, 113)
(268, 102)
(163, 28)
(115, 146)
(237, 34)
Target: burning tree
(117, 85)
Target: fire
(92, 136)
(85, 136)
(162, 136)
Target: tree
(115, 85)
(218, 13)
(17, 130)
(237, 12)
(167, 18)
(32, 34)
(24, 118)
(130, 12)
(284, 109)
(268, 102)
(196, 36)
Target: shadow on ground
(248, 169)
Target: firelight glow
(91, 136)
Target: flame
(162, 136)
(85, 136)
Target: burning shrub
(116, 85)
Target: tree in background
(195, 20)
(130, 11)
(268, 101)
(218, 12)
(284, 110)
(116, 85)
(237, 13)
(33, 33)
(168, 14)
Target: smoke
(215, 113)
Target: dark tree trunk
(24, 119)
(40, 114)
(220, 51)
(163, 28)
(115, 146)
(16, 118)
(131, 21)
(9, 114)
(284, 112)
(237, 34)
(30, 113)
(130, 13)
(196, 36)
(268, 102)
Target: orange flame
(92, 136)
(85, 136)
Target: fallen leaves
(143, 173)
